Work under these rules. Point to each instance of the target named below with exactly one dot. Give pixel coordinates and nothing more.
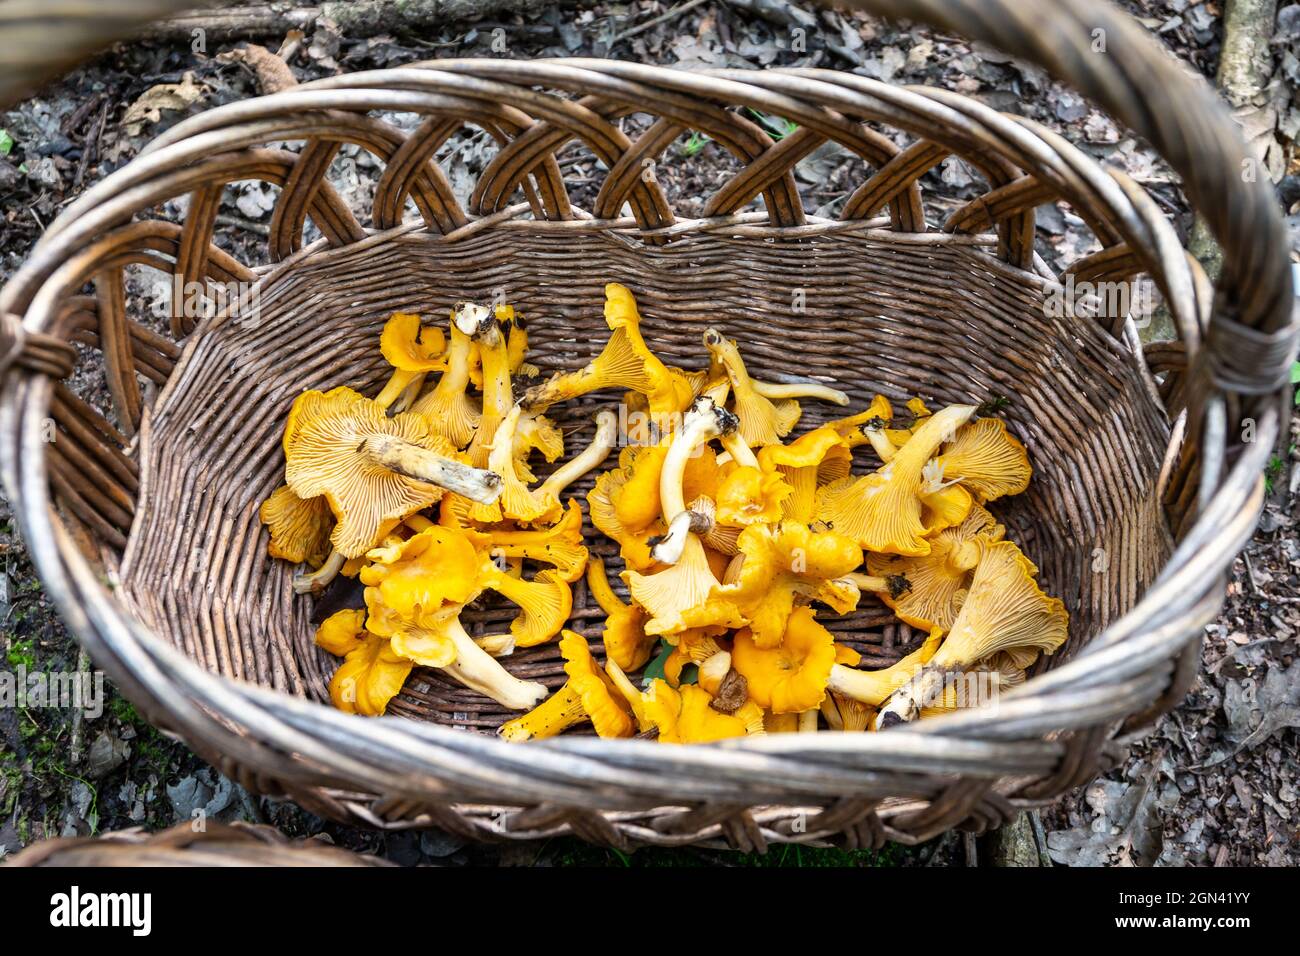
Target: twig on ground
(358, 18)
(672, 14)
(78, 712)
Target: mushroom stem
(588, 459)
(775, 391)
(395, 388)
(705, 420)
(493, 354)
(808, 721)
(884, 448)
(904, 705)
(874, 687)
(867, 582)
(478, 670)
(447, 406)
(471, 318)
(556, 714)
(409, 394)
(316, 582)
(427, 466)
(418, 523)
(669, 548)
(739, 450)
(713, 671)
(870, 687)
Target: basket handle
(1100, 50)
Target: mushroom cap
(424, 639)
(846, 714)
(1004, 610)
(619, 513)
(687, 586)
(417, 576)
(945, 507)
(937, 581)
(299, 528)
(626, 642)
(847, 656)
(784, 562)
(762, 421)
(882, 511)
(987, 459)
(559, 545)
(369, 677)
(324, 436)
(637, 503)
(685, 716)
(536, 432)
(750, 495)
(410, 347)
(809, 450)
(698, 644)
(701, 477)
(545, 602)
(791, 677)
(720, 538)
(813, 459)
(780, 723)
(601, 700)
(342, 632)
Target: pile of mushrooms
(734, 536)
(425, 494)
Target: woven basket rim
(1112, 677)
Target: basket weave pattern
(162, 498)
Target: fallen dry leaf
(273, 74)
(148, 109)
(1128, 828)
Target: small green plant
(694, 144)
(6, 142)
(1271, 471)
(1295, 379)
(21, 654)
(655, 669)
(778, 127)
(996, 404)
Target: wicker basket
(239, 844)
(142, 519)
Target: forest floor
(1215, 783)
